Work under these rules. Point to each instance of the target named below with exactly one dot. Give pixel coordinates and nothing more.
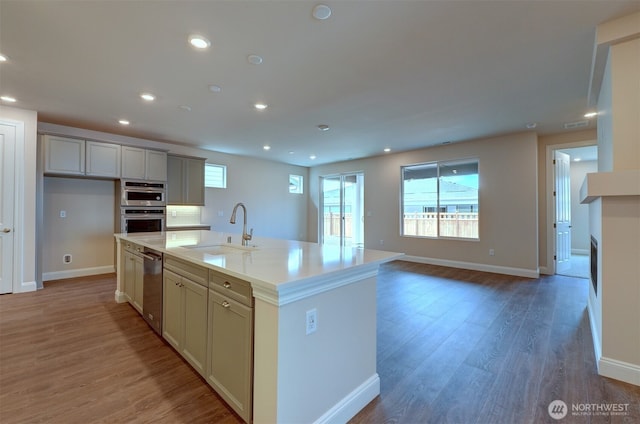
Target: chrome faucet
(245, 237)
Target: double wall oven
(142, 206)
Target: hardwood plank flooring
(454, 346)
(473, 347)
(70, 354)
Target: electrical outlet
(67, 258)
(492, 252)
(381, 242)
(63, 214)
(174, 213)
(312, 321)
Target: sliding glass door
(342, 206)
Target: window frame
(207, 166)
(300, 185)
(438, 164)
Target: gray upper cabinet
(72, 156)
(143, 164)
(64, 156)
(133, 161)
(185, 183)
(156, 168)
(102, 159)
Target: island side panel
(265, 363)
(119, 295)
(331, 374)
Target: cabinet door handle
(227, 285)
(225, 304)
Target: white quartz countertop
(280, 271)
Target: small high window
(296, 183)
(215, 175)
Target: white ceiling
(395, 73)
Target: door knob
(6, 230)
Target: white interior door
(7, 187)
(562, 226)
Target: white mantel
(602, 184)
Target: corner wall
(614, 197)
(508, 204)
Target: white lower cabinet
(212, 328)
(184, 318)
(230, 349)
(133, 281)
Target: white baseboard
(545, 270)
(520, 272)
(585, 252)
(597, 349)
(619, 370)
(351, 404)
(27, 286)
(80, 272)
(120, 297)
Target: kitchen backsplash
(183, 215)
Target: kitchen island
(324, 375)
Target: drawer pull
(226, 304)
(227, 285)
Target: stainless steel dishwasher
(152, 289)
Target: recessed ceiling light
(3, 58)
(148, 97)
(266, 147)
(260, 106)
(199, 42)
(254, 59)
(321, 12)
(323, 127)
(312, 157)
(215, 88)
(577, 160)
(185, 108)
(123, 122)
(590, 114)
(387, 149)
(8, 99)
(532, 125)
(291, 152)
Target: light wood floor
(453, 346)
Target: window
(296, 183)
(215, 175)
(440, 199)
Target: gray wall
(508, 203)
(86, 232)
(263, 186)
